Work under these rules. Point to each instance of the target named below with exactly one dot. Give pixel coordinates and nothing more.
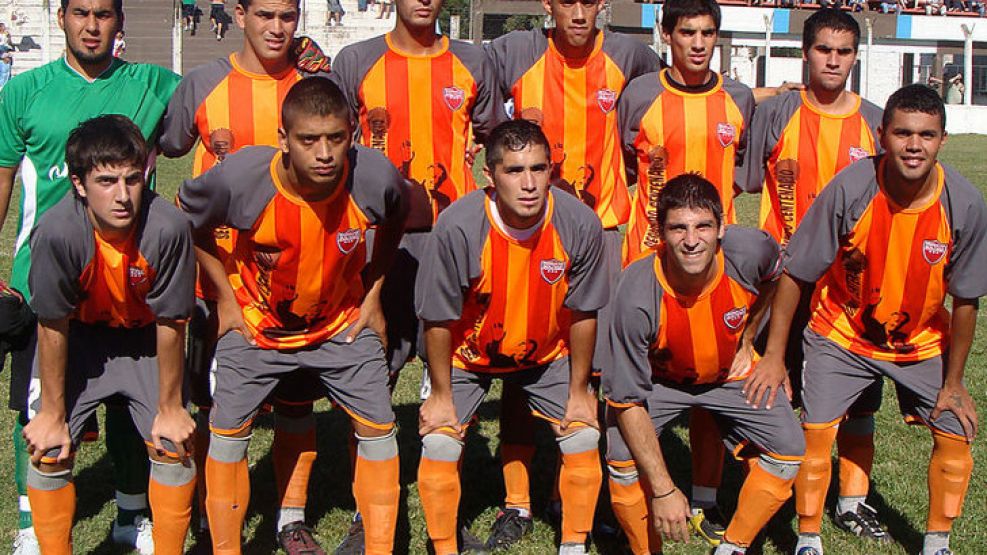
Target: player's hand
(438, 411)
(672, 516)
(371, 316)
(175, 425)
(230, 317)
(742, 362)
(308, 56)
(471, 153)
(786, 86)
(957, 400)
(581, 407)
(47, 431)
(768, 376)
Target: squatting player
(682, 338)
(885, 242)
(510, 285)
(798, 142)
(38, 109)
(294, 301)
(113, 280)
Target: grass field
(899, 477)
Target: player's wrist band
(666, 494)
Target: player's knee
(623, 475)
(228, 449)
(579, 441)
(379, 448)
(172, 472)
(779, 468)
(49, 477)
(860, 425)
(441, 447)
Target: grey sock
(934, 541)
(287, 515)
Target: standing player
(38, 109)
(294, 299)
(113, 286)
(886, 241)
(799, 141)
(512, 280)
(706, 279)
(686, 118)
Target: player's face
(521, 181)
(89, 26)
(316, 147)
(912, 141)
(575, 20)
(418, 14)
(830, 59)
(113, 197)
(692, 43)
(268, 27)
(691, 237)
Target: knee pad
(48, 481)
(623, 476)
(227, 449)
(859, 425)
(785, 470)
(440, 447)
(172, 474)
(580, 441)
(380, 448)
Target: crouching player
(113, 281)
(294, 300)
(511, 284)
(684, 322)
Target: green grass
(899, 478)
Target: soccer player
(799, 141)
(38, 109)
(510, 287)
(294, 301)
(218, 109)
(686, 118)
(113, 281)
(886, 241)
(682, 338)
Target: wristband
(666, 494)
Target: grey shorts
(773, 431)
(612, 244)
(354, 376)
(834, 378)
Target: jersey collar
(667, 289)
(116, 62)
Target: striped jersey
(882, 272)
(295, 267)
(575, 101)
(666, 131)
(510, 300)
(795, 149)
(422, 112)
(658, 335)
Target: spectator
(978, 6)
(336, 13)
(386, 7)
(855, 5)
(119, 44)
(5, 37)
(188, 15)
(6, 64)
(955, 90)
(219, 20)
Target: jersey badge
(934, 251)
(552, 270)
(454, 97)
(857, 153)
(734, 317)
(725, 133)
(137, 276)
(606, 99)
(348, 240)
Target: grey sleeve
(589, 288)
(377, 187)
(443, 274)
(232, 193)
(513, 54)
(178, 129)
(816, 242)
(488, 108)
(170, 253)
(872, 114)
(633, 104)
(633, 56)
(351, 64)
(752, 256)
(61, 246)
(744, 99)
(633, 329)
(965, 272)
(766, 126)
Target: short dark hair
(915, 98)
(117, 7)
(514, 135)
(689, 190)
(314, 96)
(677, 9)
(104, 140)
(833, 19)
(246, 3)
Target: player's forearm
(53, 350)
(582, 342)
(961, 331)
(639, 433)
(438, 348)
(788, 292)
(209, 264)
(170, 343)
(6, 191)
(765, 296)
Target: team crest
(454, 97)
(348, 240)
(726, 133)
(934, 251)
(137, 276)
(552, 270)
(857, 153)
(734, 318)
(606, 99)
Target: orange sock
(813, 479)
(630, 506)
(515, 459)
(172, 509)
(53, 511)
(949, 478)
(707, 449)
(856, 455)
(439, 489)
(762, 494)
(228, 487)
(376, 489)
(294, 454)
(579, 487)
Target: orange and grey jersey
(76, 273)
(660, 336)
(420, 111)
(795, 150)
(668, 130)
(575, 101)
(881, 271)
(296, 264)
(509, 300)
